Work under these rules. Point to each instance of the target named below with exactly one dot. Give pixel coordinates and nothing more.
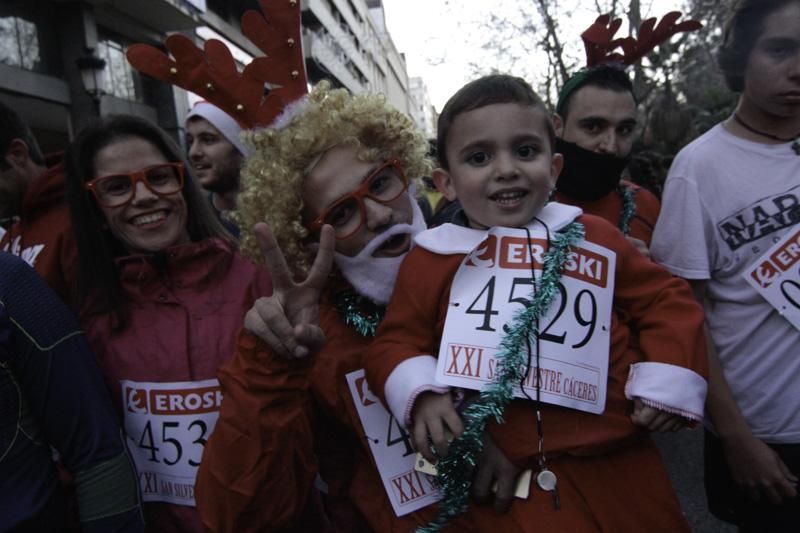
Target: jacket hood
(47, 189)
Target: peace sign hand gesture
(288, 321)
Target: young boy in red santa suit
(536, 294)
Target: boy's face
(502, 168)
(600, 120)
(772, 74)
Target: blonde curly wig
(272, 180)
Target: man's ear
(556, 164)
(444, 183)
(558, 125)
(18, 155)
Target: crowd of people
(266, 332)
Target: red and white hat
(218, 118)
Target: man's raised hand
(288, 321)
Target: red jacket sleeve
(413, 321)
(258, 465)
(647, 209)
(666, 318)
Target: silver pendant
(546, 480)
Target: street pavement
(683, 456)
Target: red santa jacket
(598, 458)
(269, 443)
(610, 208)
(649, 304)
(184, 316)
(43, 234)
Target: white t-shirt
(727, 200)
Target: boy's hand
(288, 321)
(433, 414)
(493, 466)
(655, 419)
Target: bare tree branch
(557, 48)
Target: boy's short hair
(742, 30)
(13, 127)
(488, 90)
(610, 77)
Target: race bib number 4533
(167, 426)
(495, 282)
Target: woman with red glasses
(164, 292)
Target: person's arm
(669, 385)
(401, 362)
(60, 381)
(259, 464)
(754, 466)
(401, 365)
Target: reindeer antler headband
(212, 72)
(600, 45)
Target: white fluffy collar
(449, 239)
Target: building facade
(41, 42)
(422, 110)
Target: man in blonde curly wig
(334, 175)
(318, 151)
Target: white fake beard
(374, 277)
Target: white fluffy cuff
(407, 381)
(670, 388)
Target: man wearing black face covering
(595, 121)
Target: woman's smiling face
(149, 222)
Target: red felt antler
(212, 73)
(600, 44)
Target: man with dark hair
(595, 122)
(32, 208)
(21, 157)
(216, 153)
(731, 213)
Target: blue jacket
(52, 396)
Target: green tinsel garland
(361, 313)
(628, 208)
(455, 471)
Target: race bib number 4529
(495, 282)
(167, 426)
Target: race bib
(776, 276)
(390, 443)
(167, 426)
(494, 283)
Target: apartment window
(120, 79)
(19, 44)
(355, 12)
(333, 10)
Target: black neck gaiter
(588, 175)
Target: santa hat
(218, 118)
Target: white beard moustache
(374, 277)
